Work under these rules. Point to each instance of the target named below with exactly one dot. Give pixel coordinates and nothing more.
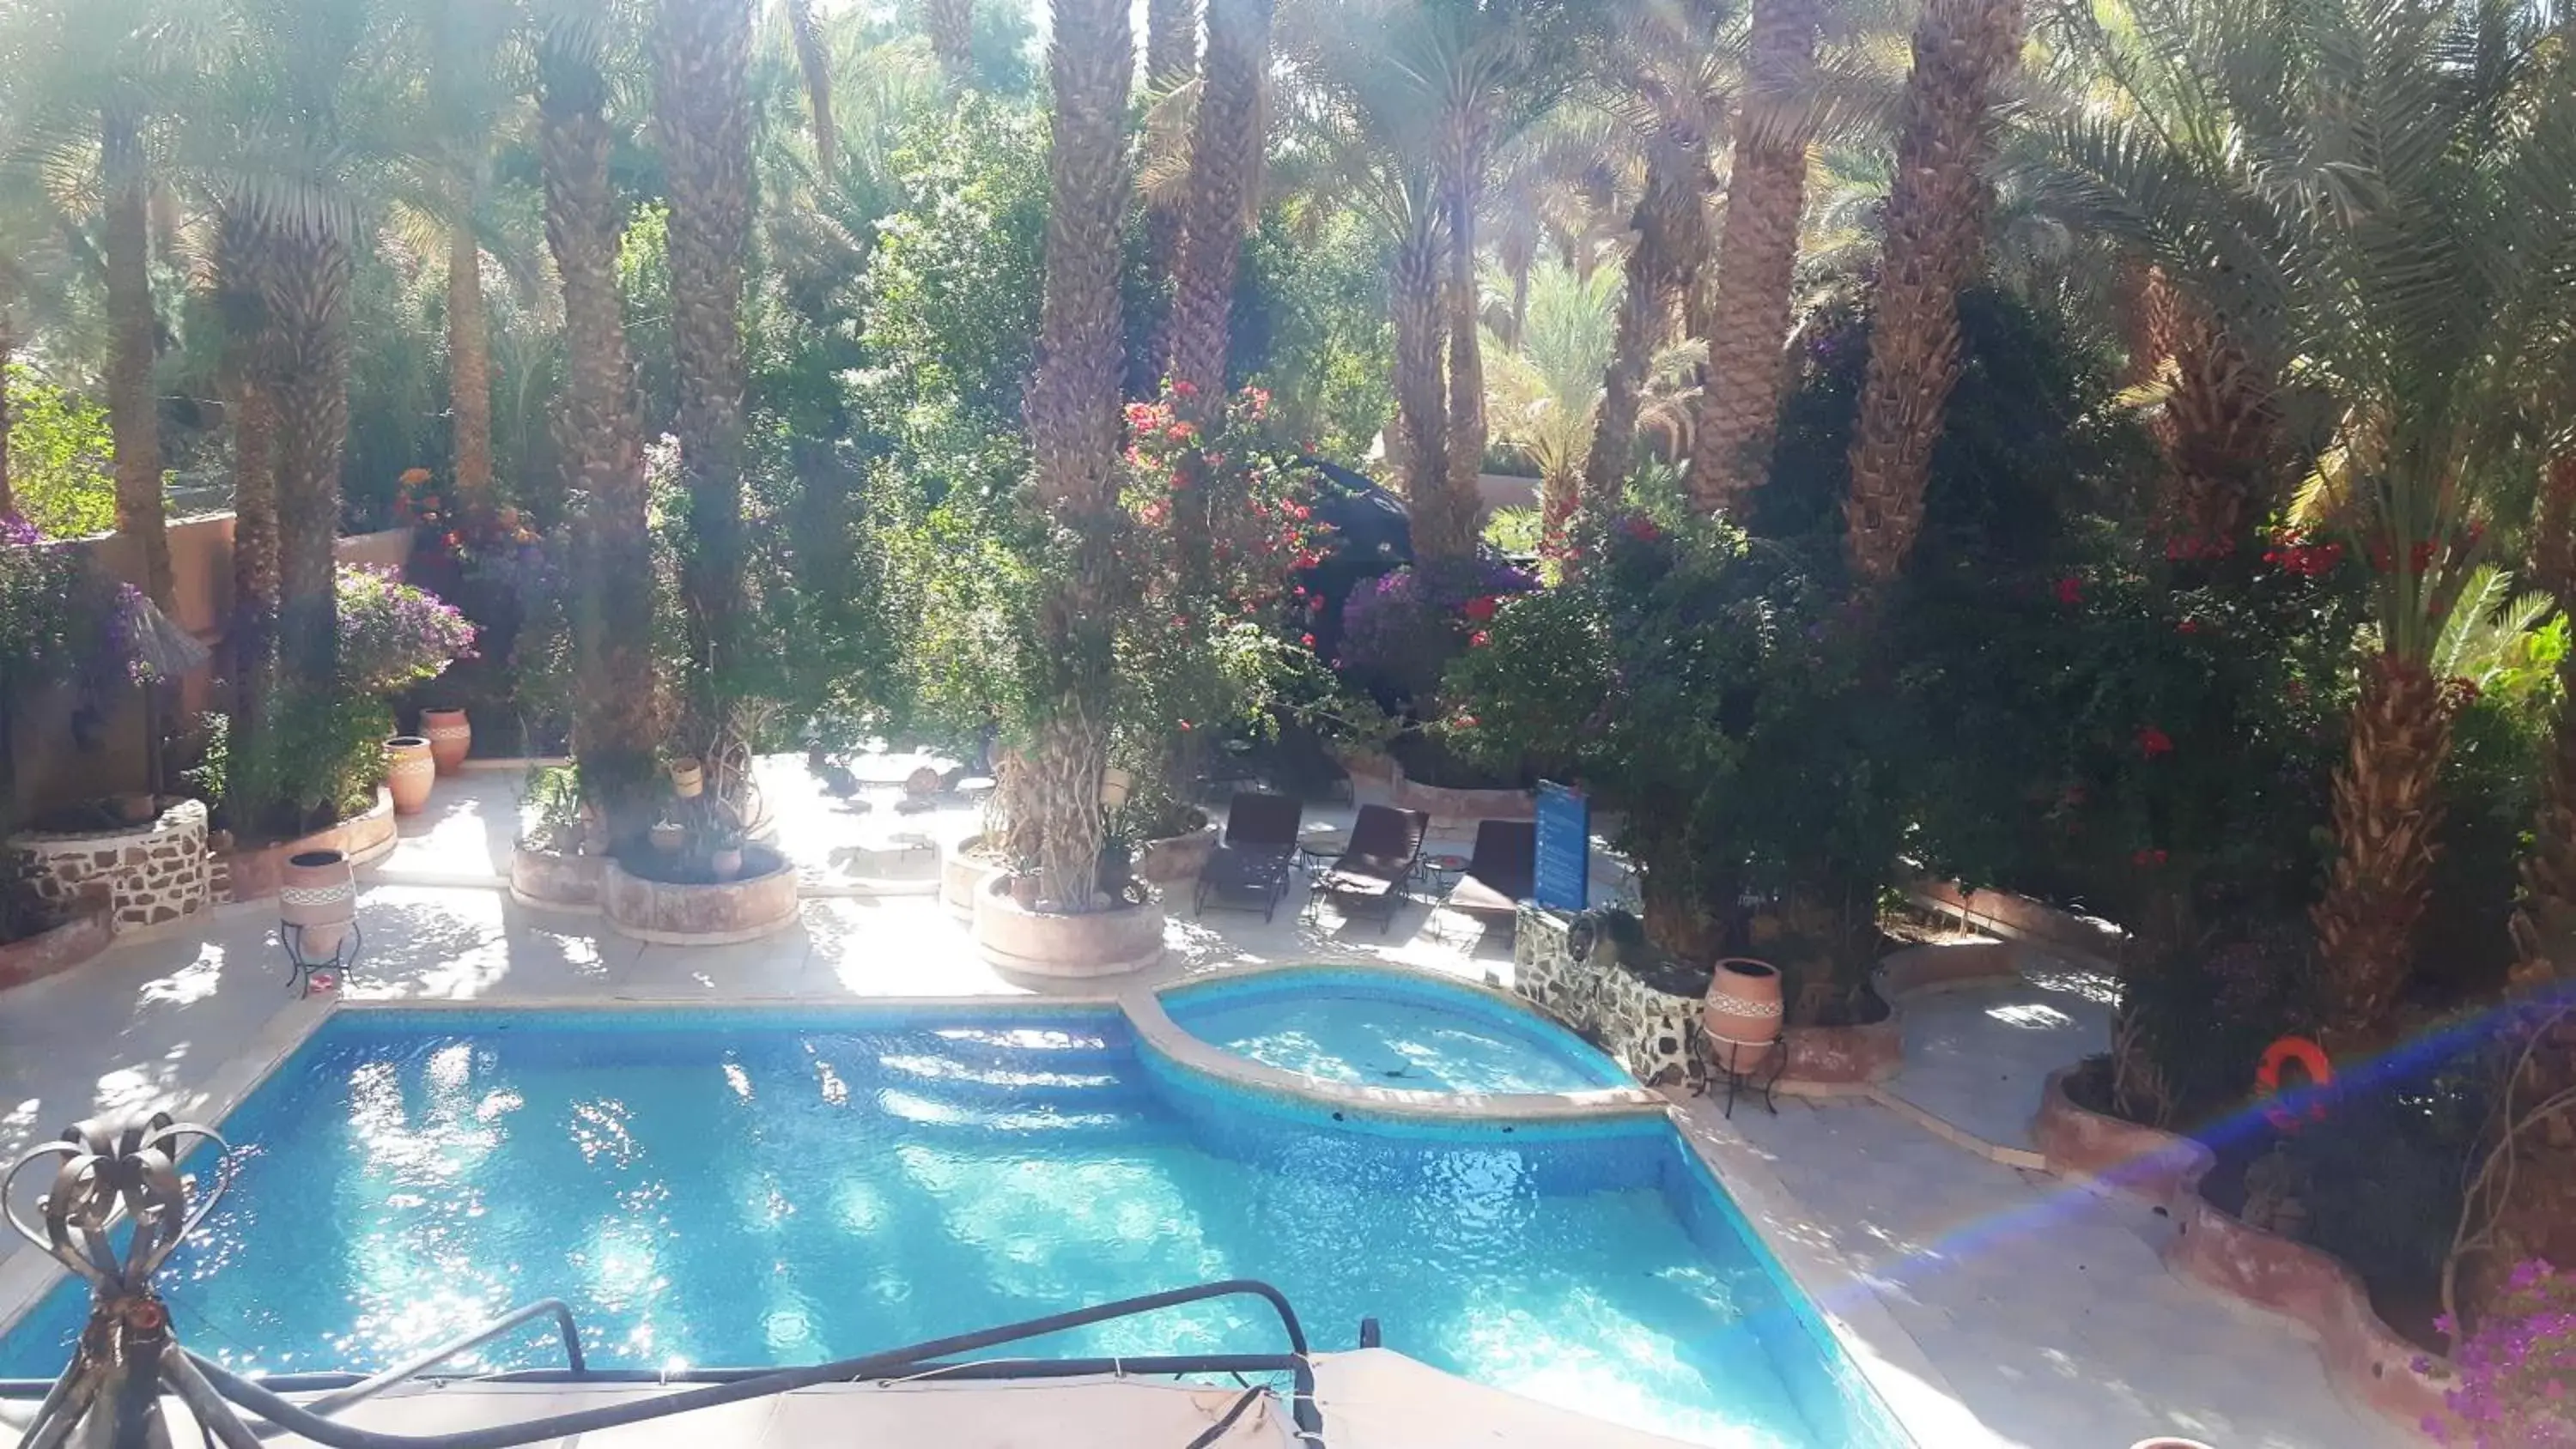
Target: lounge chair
(1386, 845)
(1502, 871)
(1257, 856)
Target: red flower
(2146, 858)
(1466, 721)
(1180, 432)
(1479, 639)
(2153, 742)
(1306, 639)
(2070, 590)
(1641, 528)
(1185, 388)
(1316, 603)
(1480, 610)
(2188, 626)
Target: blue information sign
(1564, 848)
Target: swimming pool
(1384, 1029)
(758, 1187)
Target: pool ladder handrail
(205, 1385)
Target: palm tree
(1757, 257)
(1074, 429)
(466, 100)
(2401, 227)
(1225, 171)
(951, 24)
(598, 431)
(1171, 63)
(1549, 392)
(704, 49)
(1965, 51)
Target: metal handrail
(196, 1377)
(368, 1388)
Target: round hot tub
(1396, 1030)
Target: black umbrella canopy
(1372, 533)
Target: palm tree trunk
(469, 366)
(2552, 564)
(1074, 427)
(600, 439)
(2216, 429)
(1664, 265)
(133, 412)
(1936, 213)
(303, 277)
(8, 358)
(1225, 169)
(951, 24)
(705, 119)
(1421, 407)
(1462, 183)
(2387, 817)
(250, 638)
(1171, 57)
(1757, 260)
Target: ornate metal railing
(112, 1171)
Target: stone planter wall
(1442, 804)
(1033, 943)
(365, 839)
(142, 875)
(2213, 1247)
(1651, 1031)
(553, 880)
(1177, 858)
(51, 953)
(716, 913)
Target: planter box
(552, 880)
(1037, 943)
(963, 873)
(365, 839)
(1177, 858)
(51, 953)
(2363, 1355)
(2019, 918)
(715, 913)
(1444, 805)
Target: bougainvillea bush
(393, 635)
(61, 619)
(1220, 521)
(2517, 1372)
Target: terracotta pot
(318, 892)
(687, 780)
(411, 766)
(1114, 785)
(1024, 891)
(922, 782)
(450, 736)
(668, 837)
(137, 808)
(1742, 1016)
(725, 863)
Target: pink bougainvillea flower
(2070, 590)
(1479, 639)
(1185, 388)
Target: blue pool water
(1369, 1028)
(745, 1188)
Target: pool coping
(1916, 1395)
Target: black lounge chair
(1257, 856)
(1386, 845)
(1502, 871)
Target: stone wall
(149, 875)
(1647, 1031)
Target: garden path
(1977, 1056)
(2036, 1314)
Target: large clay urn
(450, 736)
(410, 769)
(318, 892)
(1742, 1014)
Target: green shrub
(60, 458)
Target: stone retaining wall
(145, 875)
(53, 952)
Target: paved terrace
(2006, 1306)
